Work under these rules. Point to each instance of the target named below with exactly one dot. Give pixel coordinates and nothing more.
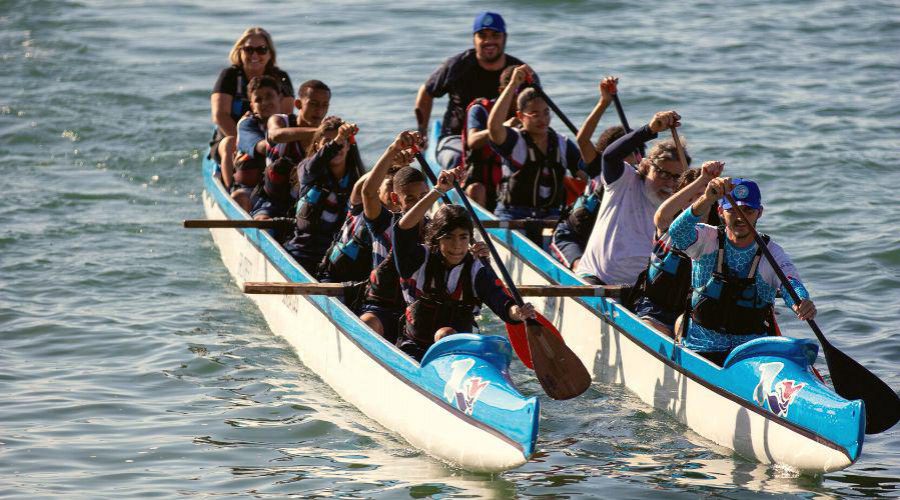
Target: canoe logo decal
(462, 391)
(777, 397)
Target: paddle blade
(558, 369)
(519, 339)
(853, 381)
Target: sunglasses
(665, 174)
(261, 50)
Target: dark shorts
(412, 348)
(645, 307)
(214, 146)
(390, 319)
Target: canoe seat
(491, 348)
(801, 351)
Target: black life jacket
(435, 308)
(350, 256)
(248, 171)
(293, 150)
(322, 207)
(384, 286)
(583, 214)
(540, 172)
(240, 103)
(730, 304)
(489, 163)
(667, 279)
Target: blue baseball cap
(745, 193)
(489, 21)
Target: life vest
(292, 150)
(538, 183)
(248, 171)
(434, 307)
(240, 103)
(667, 279)
(322, 207)
(730, 304)
(350, 256)
(490, 172)
(583, 213)
(384, 286)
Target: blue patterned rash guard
(700, 243)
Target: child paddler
(250, 157)
(733, 285)
(573, 230)
(327, 176)
(536, 158)
(383, 304)
(661, 292)
(443, 283)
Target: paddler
(327, 176)
(443, 282)
(250, 158)
(734, 287)
(466, 76)
(624, 233)
(661, 292)
(536, 158)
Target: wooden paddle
(239, 223)
(338, 289)
(562, 116)
(558, 369)
(285, 221)
(851, 380)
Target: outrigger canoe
(457, 405)
(765, 403)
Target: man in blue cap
(733, 286)
(472, 74)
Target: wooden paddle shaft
(238, 223)
(520, 223)
(337, 289)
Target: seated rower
(535, 158)
(250, 158)
(624, 233)
(733, 286)
(350, 256)
(661, 293)
(484, 167)
(288, 137)
(327, 176)
(384, 303)
(443, 283)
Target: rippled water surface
(131, 365)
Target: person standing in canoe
(661, 292)
(253, 54)
(536, 158)
(466, 76)
(624, 233)
(327, 176)
(733, 286)
(443, 282)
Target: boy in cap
(466, 76)
(733, 286)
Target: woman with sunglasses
(535, 157)
(624, 233)
(253, 54)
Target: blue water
(131, 365)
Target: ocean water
(130, 365)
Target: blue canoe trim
(352, 328)
(662, 347)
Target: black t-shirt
(465, 80)
(233, 81)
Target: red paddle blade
(519, 338)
